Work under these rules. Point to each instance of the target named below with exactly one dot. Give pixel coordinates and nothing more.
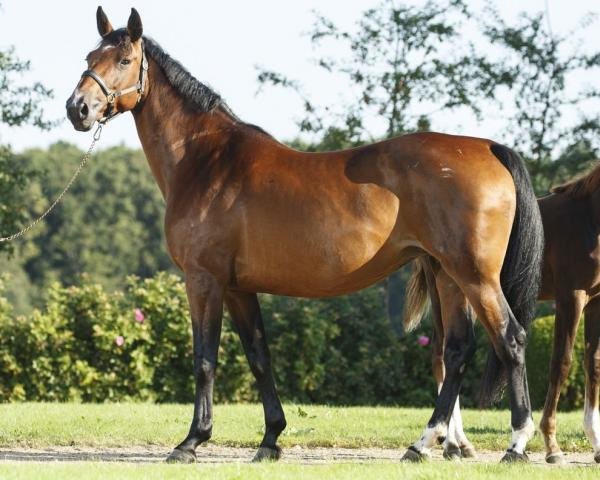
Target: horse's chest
(194, 241)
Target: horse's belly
(326, 258)
(310, 277)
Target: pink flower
(139, 315)
(423, 340)
(119, 340)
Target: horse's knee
(515, 355)
(204, 369)
(507, 335)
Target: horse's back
(436, 157)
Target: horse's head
(116, 76)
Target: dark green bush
(93, 346)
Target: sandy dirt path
(217, 454)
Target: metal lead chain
(84, 160)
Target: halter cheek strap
(112, 95)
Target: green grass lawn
(374, 471)
(120, 425)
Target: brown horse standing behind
(246, 214)
(571, 276)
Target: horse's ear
(134, 25)
(104, 26)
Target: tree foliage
(109, 226)
(19, 104)
(14, 177)
(403, 64)
(540, 68)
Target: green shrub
(92, 346)
(168, 349)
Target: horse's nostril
(83, 111)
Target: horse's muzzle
(78, 112)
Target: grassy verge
(378, 471)
(121, 425)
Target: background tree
(108, 227)
(19, 104)
(554, 123)
(403, 63)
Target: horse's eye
(125, 61)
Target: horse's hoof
(181, 456)
(414, 456)
(468, 451)
(597, 456)
(267, 454)
(452, 452)
(514, 457)
(556, 458)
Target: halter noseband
(111, 95)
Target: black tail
(521, 272)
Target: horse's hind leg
(246, 316)
(591, 420)
(456, 443)
(568, 312)
(508, 338)
(458, 349)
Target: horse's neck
(166, 128)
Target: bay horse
(247, 214)
(571, 277)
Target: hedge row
(93, 346)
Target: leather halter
(112, 95)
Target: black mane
(199, 95)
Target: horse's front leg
(245, 313)
(205, 296)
